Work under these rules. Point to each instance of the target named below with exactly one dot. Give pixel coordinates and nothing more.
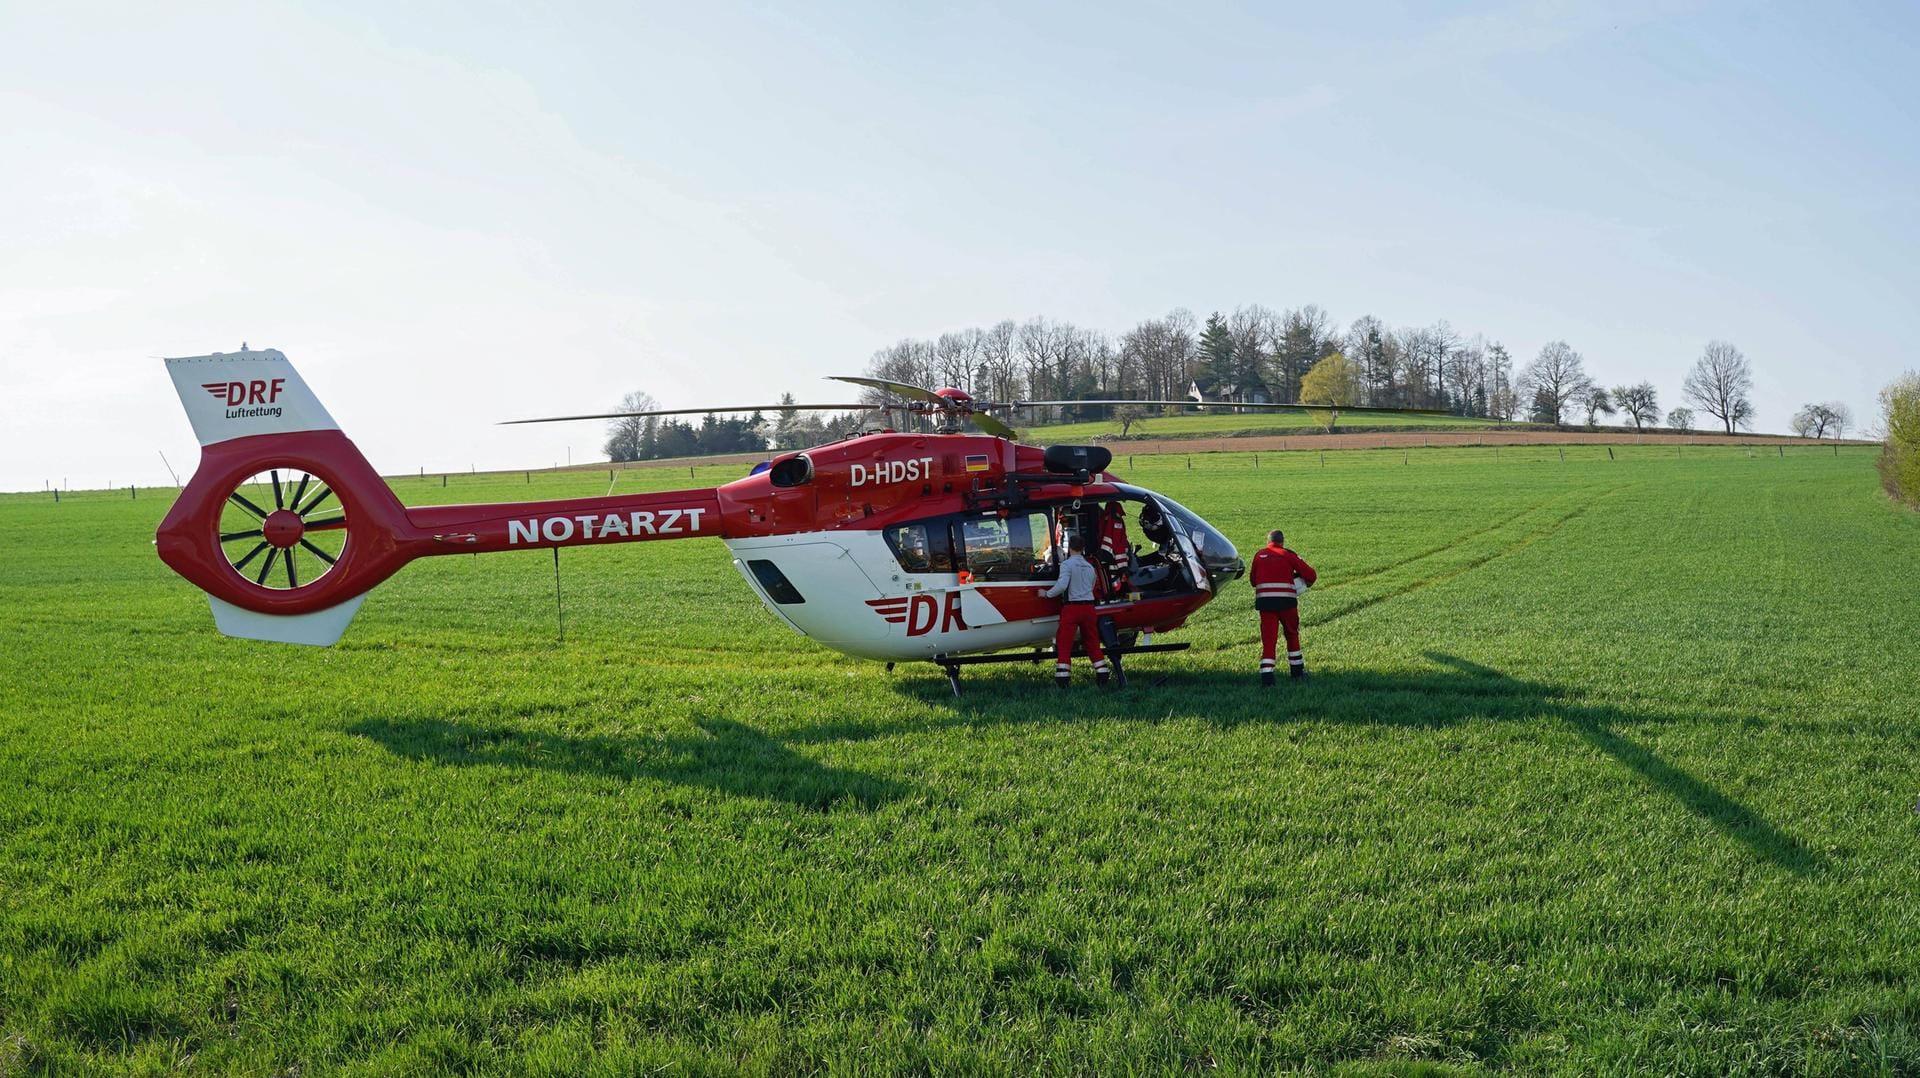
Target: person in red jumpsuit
(1114, 548)
(1279, 576)
(1075, 590)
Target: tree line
(1250, 355)
(1257, 355)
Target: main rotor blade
(918, 393)
(694, 411)
(992, 426)
(1191, 403)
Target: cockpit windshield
(1217, 553)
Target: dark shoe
(1100, 680)
(1299, 673)
(1063, 682)
(1266, 679)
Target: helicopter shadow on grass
(1462, 691)
(721, 755)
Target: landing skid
(952, 663)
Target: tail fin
(282, 509)
(236, 394)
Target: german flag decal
(977, 462)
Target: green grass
(1228, 424)
(1609, 766)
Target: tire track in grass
(1470, 564)
(1368, 574)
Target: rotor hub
(282, 528)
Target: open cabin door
(1189, 547)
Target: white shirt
(1076, 580)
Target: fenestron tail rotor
(297, 542)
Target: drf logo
(258, 391)
(890, 471)
(919, 613)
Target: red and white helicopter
(889, 545)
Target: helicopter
(891, 545)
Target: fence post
(1563, 454)
(1609, 452)
(443, 479)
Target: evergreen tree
(1216, 353)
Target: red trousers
(1081, 617)
(1271, 622)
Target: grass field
(1230, 423)
(1609, 766)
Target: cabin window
(1015, 547)
(778, 587)
(926, 547)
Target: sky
(450, 214)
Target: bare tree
(1639, 403)
(1597, 402)
(1680, 419)
(955, 356)
(629, 437)
(1467, 387)
(1842, 419)
(1719, 383)
(1820, 420)
(1556, 377)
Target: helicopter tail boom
(286, 526)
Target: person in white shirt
(1075, 590)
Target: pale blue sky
(449, 214)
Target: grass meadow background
(1608, 766)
